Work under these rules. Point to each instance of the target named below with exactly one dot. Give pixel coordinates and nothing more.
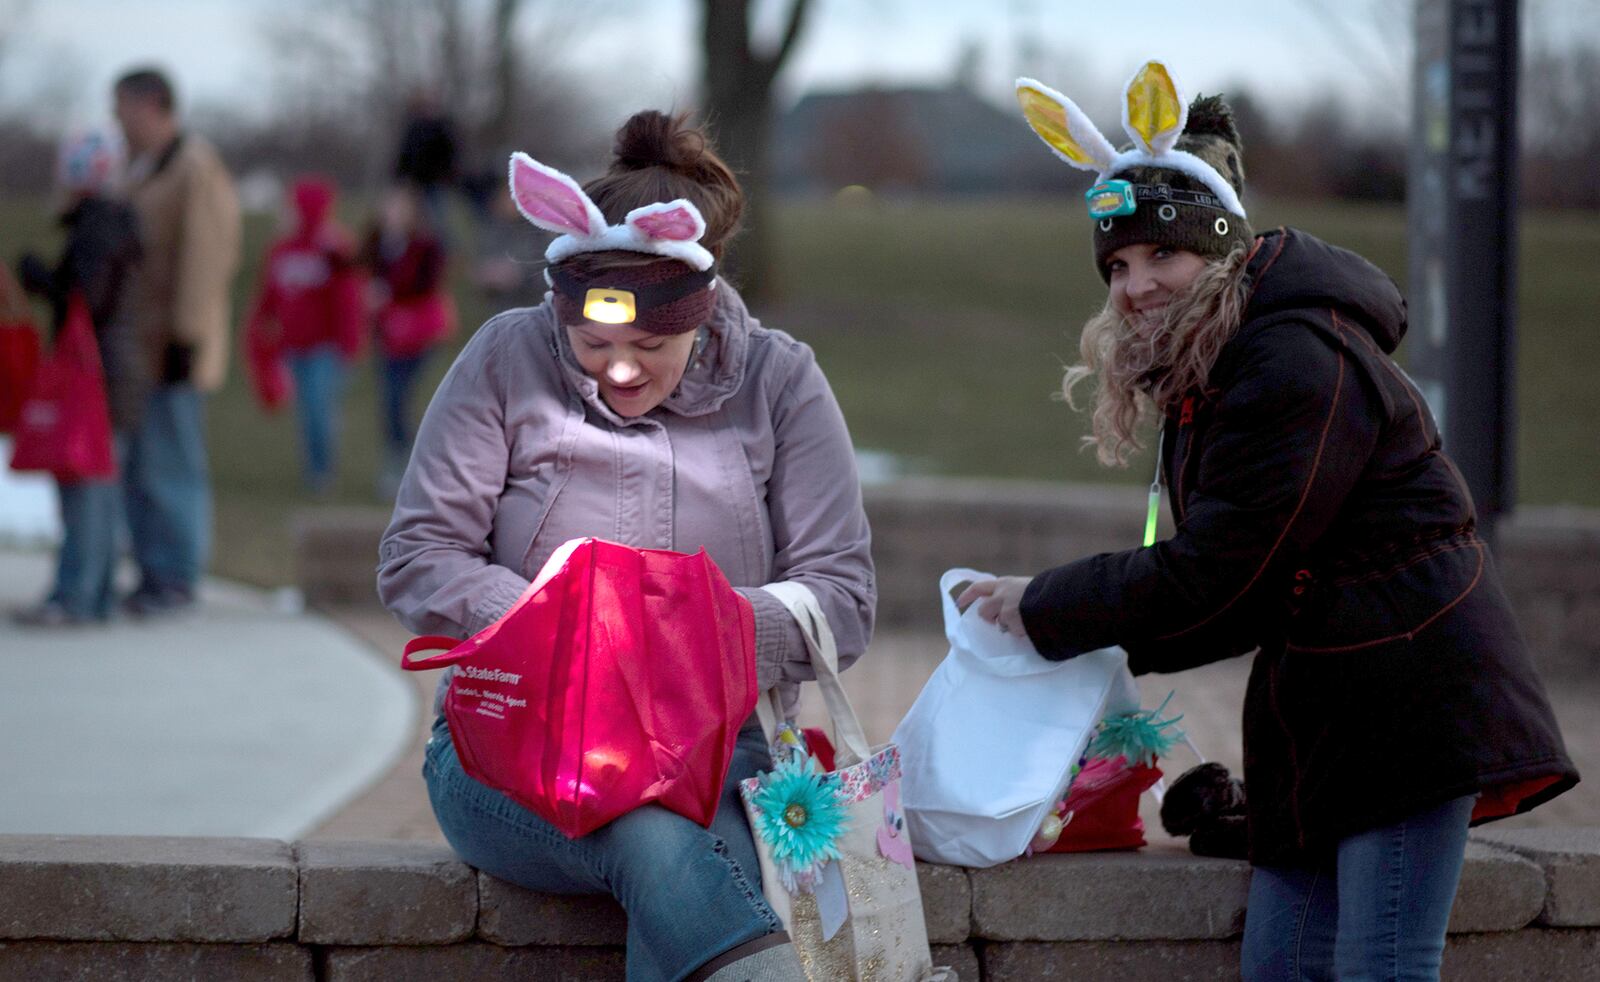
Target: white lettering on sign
(1477, 129)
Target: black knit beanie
(1176, 209)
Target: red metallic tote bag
(620, 677)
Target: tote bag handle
(803, 606)
(454, 650)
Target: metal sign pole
(1462, 220)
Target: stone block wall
(134, 909)
(1549, 557)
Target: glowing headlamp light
(606, 306)
(1109, 199)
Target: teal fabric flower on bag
(1137, 735)
(800, 818)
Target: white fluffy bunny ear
(552, 200)
(670, 228)
(673, 221)
(1063, 127)
(1154, 111)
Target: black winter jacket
(1319, 523)
(101, 258)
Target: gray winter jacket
(748, 458)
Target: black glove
(177, 363)
(1206, 804)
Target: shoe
(48, 614)
(147, 604)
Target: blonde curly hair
(1140, 372)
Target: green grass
(944, 327)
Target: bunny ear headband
(1154, 113)
(643, 297)
(1187, 202)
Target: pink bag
(410, 327)
(64, 425)
(621, 677)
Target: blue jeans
(1378, 912)
(91, 512)
(318, 386)
(166, 489)
(690, 893)
(399, 376)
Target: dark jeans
(399, 377)
(1377, 913)
(167, 490)
(691, 893)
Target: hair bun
(654, 139)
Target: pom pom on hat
(89, 160)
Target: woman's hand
(999, 602)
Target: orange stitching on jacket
(1411, 634)
(1283, 240)
(1311, 480)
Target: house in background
(910, 141)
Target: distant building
(910, 140)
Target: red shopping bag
(1104, 805)
(64, 426)
(620, 677)
(19, 360)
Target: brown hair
(660, 158)
(150, 84)
(1140, 372)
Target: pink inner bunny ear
(677, 222)
(551, 199)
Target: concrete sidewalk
(242, 718)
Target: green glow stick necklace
(1155, 493)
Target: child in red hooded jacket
(308, 314)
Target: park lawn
(944, 327)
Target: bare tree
(357, 62)
(738, 108)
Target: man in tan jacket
(189, 219)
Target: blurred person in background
(308, 308)
(412, 312)
(427, 156)
(189, 223)
(506, 266)
(100, 263)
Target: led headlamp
(1108, 199)
(622, 304)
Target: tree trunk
(738, 111)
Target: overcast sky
(64, 53)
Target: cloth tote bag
(836, 865)
(620, 677)
(64, 426)
(991, 741)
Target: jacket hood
(713, 376)
(1292, 270)
(313, 199)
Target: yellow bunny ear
(1063, 126)
(1154, 113)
